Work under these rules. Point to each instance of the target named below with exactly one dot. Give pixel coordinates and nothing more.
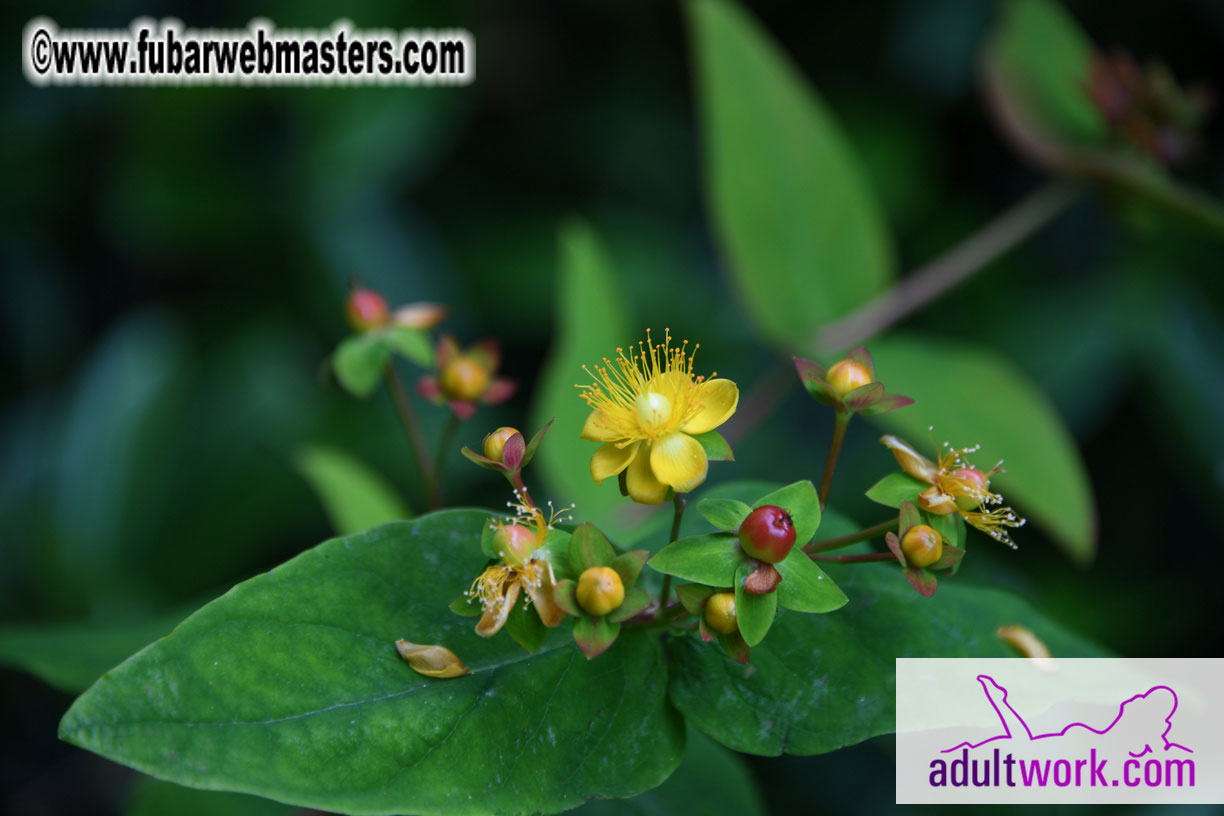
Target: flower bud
(366, 309)
(431, 660)
(847, 375)
(720, 612)
(419, 315)
(922, 545)
(975, 487)
(464, 378)
(495, 442)
(514, 544)
(600, 590)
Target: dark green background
(175, 261)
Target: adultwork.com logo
(1134, 749)
(1010, 731)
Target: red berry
(367, 309)
(767, 534)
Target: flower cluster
(956, 486)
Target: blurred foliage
(174, 263)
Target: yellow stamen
(645, 393)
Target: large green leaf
(821, 682)
(354, 496)
(155, 798)
(592, 321)
(804, 238)
(710, 781)
(71, 656)
(289, 686)
(973, 396)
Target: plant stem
(516, 479)
(839, 433)
(854, 559)
(416, 439)
(444, 443)
(933, 279)
(678, 503)
(841, 541)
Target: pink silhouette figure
(1143, 722)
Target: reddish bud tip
(366, 309)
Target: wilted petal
(910, 460)
(542, 597)
(609, 460)
(718, 399)
(492, 621)
(1023, 641)
(640, 480)
(431, 660)
(419, 315)
(679, 460)
(934, 500)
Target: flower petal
(550, 613)
(491, 622)
(431, 660)
(718, 399)
(910, 460)
(609, 460)
(598, 429)
(640, 480)
(679, 461)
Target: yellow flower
(498, 588)
(957, 487)
(646, 407)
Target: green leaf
(693, 597)
(629, 566)
(895, 489)
(71, 656)
(706, 559)
(822, 682)
(805, 587)
(1039, 63)
(711, 780)
(155, 798)
(725, 514)
(592, 319)
(411, 344)
(353, 496)
(588, 547)
(803, 505)
(951, 527)
(636, 600)
(974, 396)
(524, 625)
(359, 362)
(804, 238)
(289, 687)
(715, 447)
(755, 613)
(595, 635)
